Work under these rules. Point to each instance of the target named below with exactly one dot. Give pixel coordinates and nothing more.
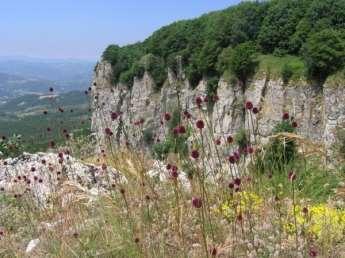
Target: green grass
(274, 65)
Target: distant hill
(24, 115)
(14, 85)
(21, 75)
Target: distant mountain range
(21, 75)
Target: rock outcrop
(42, 174)
(318, 113)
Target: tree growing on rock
(240, 60)
(324, 53)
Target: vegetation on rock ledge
(310, 29)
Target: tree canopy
(279, 27)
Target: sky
(81, 29)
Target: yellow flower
(241, 202)
(322, 221)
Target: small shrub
(242, 139)
(148, 136)
(340, 146)
(12, 147)
(286, 73)
(279, 153)
(240, 60)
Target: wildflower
(286, 116)
(250, 150)
(249, 105)
(218, 141)
(229, 139)
(196, 202)
(174, 172)
(167, 116)
(60, 155)
(198, 101)
(187, 115)
(312, 252)
(237, 155)
(195, 154)
(40, 180)
(294, 124)
(108, 131)
(255, 110)
(181, 129)
(232, 159)
(33, 169)
(200, 124)
(114, 116)
(305, 210)
(168, 167)
(237, 181)
(231, 185)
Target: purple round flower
(196, 202)
(232, 159)
(195, 154)
(200, 124)
(114, 116)
(237, 181)
(249, 105)
(108, 131)
(286, 116)
(198, 101)
(181, 129)
(167, 116)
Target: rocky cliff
(123, 111)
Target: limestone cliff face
(317, 113)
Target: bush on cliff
(324, 53)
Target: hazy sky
(83, 28)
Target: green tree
(324, 53)
(280, 24)
(240, 60)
